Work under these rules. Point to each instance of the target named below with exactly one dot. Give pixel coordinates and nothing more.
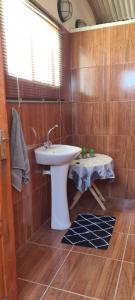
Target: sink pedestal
(59, 205)
(58, 157)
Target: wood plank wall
(103, 95)
(32, 206)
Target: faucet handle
(47, 144)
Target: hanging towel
(20, 167)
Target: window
(32, 44)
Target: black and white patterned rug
(90, 230)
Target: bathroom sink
(56, 154)
(59, 158)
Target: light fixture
(65, 10)
(80, 23)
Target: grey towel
(19, 156)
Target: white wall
(81, 10)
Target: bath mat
(90, 230)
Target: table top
(96, 160)
(85, 171)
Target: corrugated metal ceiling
(112, 10)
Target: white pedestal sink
(59, 158)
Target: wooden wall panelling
(32, 118)
(119, 44)
(131, 43)
(89, 48)
(120, 118)
(119, 187)
(20, 226)
(131, 183)
(118, 149)
(66, 119)
(86, 82)
(54, 117)
(32, 206)
(130, 146)
(7, 238)
(109, 53)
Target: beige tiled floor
(49, 270)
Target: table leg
(98, 192)
(93, 192)
(76, 199)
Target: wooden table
(85, 171)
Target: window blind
(32, 48)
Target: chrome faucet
(48, 143)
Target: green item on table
(92, 151)
(84, 151)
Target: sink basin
(56, 154)
(59, 158)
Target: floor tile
(126, 288)
(132, 227)
(39, 263)
(122, 222)
(88, 275)
(54, 294)
(85, 204)
(47, 236)
(121, 205)
(130, 249)
(30, 291)
(115, 249)
(122, 219)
